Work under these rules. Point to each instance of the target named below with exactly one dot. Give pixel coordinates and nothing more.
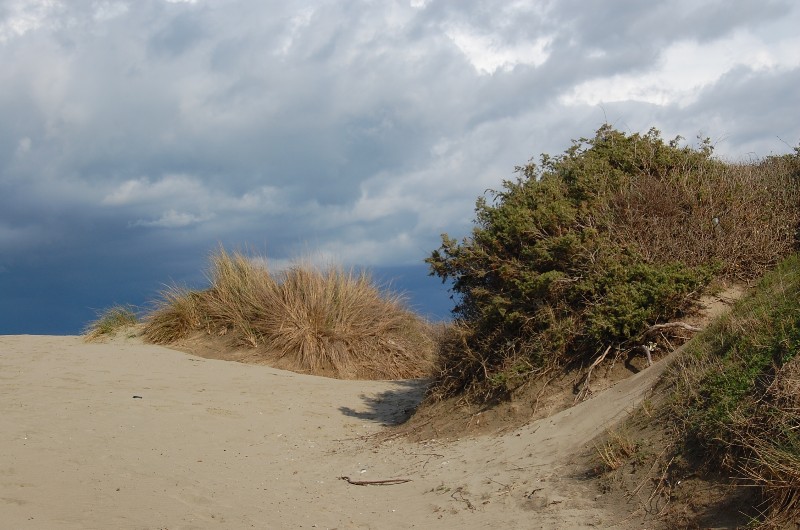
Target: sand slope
(216, 444)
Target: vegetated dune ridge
(128, 435)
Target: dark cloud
(135, 136)
(755, 104)
(645, 28)
(178, 35)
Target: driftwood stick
(648, 350)
(585, 390)
(684, 325)
(386, 482)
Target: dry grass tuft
(176, 315)
(321, 321)
(109, 322)
(616, 450)
(773, 444)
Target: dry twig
(684, 325)
(585, 390)
(385, 482)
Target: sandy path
(216, 444)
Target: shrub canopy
(587, 249)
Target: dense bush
(587, 249)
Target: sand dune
(127, 435)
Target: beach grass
(109, 322)
(327, 321)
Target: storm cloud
(136, 136)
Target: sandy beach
(128, 435)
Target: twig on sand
(462, 499)
(385, 482)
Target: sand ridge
(128, 435)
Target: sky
(138, 136)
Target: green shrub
(625, 300)
(587, 249)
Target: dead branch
(463, 499)
(585, 390)
(648, 350)
(656, 327)
(385, 482)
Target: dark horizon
(34, 303)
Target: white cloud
(684, 69)
(264, 199)
(295, 26)
(192, 192)
(397, 248)
(24, 16)
(489, 53)
(23, 146)
(171, 187)
(172, 219)
(104, 11)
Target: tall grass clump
(737, 393)
(109, 322)
(586, 250)
(323, 321)
(177, 314)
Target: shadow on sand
(391, 407)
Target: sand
(128, 435)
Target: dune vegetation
(110, 321)
(577, 258)
(574, 262)
(329, 322)
(583, 255)
(584, 252)
(721, 434)
(736, 393)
